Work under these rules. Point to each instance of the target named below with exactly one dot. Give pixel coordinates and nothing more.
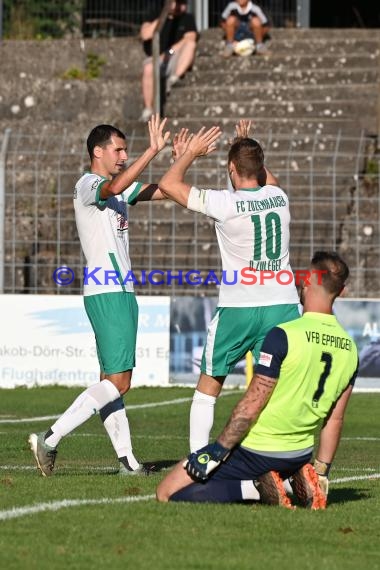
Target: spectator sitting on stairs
(178, 41)
(244, 20)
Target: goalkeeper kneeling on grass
(305, 373)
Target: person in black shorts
(178, 42)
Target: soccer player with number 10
(252, 227)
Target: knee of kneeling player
(162, 494)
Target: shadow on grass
(149, 468)
(347, 494)
(157, 466)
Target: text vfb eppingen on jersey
(64, 276)
(328, 340)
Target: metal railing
(332, 181)
(114, 18)
(156, 57)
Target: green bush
(41, 19)
(92, 68)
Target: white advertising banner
(47, 339)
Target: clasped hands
(201, 463)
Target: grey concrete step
(282, 139)
(316, 157)
(339, 109)
(50, 105)
(291, 61)
(331, 36)
(313, 45)
(322, 144)
(68, 101)
(273, 91)
(305, 76)
(52, 58)
(280, 126)
(333, 194)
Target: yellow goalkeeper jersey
(314, 360)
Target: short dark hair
(101, 136)
(247, 156)
(335, 270)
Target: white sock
(201, 419)
(84, 406)
(249, 491)
(117, 427)
(288, 487)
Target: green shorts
(114, 318)
(234, 331)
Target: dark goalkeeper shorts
(244, 464)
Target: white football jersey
(244, 13)
(103, 233)
(252, 228)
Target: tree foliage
(30, 19)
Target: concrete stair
(315, 105)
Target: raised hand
(242, 128)
(158, 138)
(180, 142)
(203, 143)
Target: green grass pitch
(87, 516)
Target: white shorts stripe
(210, 342)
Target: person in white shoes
(178, 42)
(101, 200)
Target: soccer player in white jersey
(101, 198)
(252, 227)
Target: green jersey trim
(256, 189)
(116, 267)
(98, 199)
(133, 197)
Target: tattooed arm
(247, 410)
(201, 463)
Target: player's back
(253, 238)
(321, 359)
(252, 228)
